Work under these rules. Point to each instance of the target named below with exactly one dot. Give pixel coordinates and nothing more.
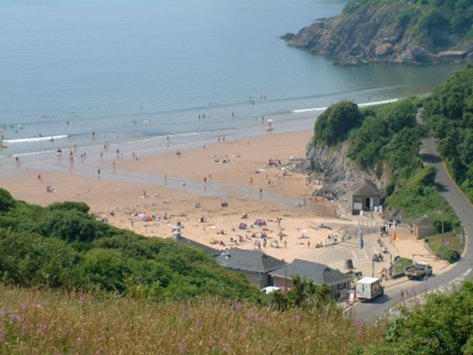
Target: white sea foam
(364, 104)
(34, 139)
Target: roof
(248, 260)
(365, 188)
(315, 272)
(203, 247)
(369, 280)
(423, 221)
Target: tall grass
(49, 322)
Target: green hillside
(62, 246)
(392, 31)
(449, 114)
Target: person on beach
(260, 193)
(98, 173)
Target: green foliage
(28, 259)
(107, 269)
(443, 325)
(449, 254)
(6, 200)
(303, 294)
(333, 125)
(388, 133)
(419, 196)
(62, 246)
(68, 206)
(449, 114)
(428, 22)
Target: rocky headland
(399, 31)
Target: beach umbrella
(260, 222)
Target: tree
(6, 200)
(334, 124)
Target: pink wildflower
(82, 298)
(198, 323)
(251, 316)
(43, 329)
(360, 332)
(237, 306)
(25, 328)
(182, 348)
(298, 318)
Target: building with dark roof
(319, 274)
(255, 265)
(424, 227)
(365, 196)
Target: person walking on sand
(98, 173)
(260, 193)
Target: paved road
(455, 273)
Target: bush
(448, 254)
(70, 206)
(6, 200)
(333, 125)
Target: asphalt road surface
(456, 273)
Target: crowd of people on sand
(260, 238)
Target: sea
(88, 73)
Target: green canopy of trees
(333, 125)
(449, 115)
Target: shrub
(448, 254)
(6, 200)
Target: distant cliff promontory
(392, 31)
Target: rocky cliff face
(337, 172)
(382, 32)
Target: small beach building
(319, 274)
(424, 227)
(255, 265)
(365, 196)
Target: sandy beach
(152, 193)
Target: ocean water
(77, 72)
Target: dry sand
(169, 187)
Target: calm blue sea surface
(137, 70)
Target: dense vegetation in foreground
(62, 246)
(51, 322)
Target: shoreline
(26, 144)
